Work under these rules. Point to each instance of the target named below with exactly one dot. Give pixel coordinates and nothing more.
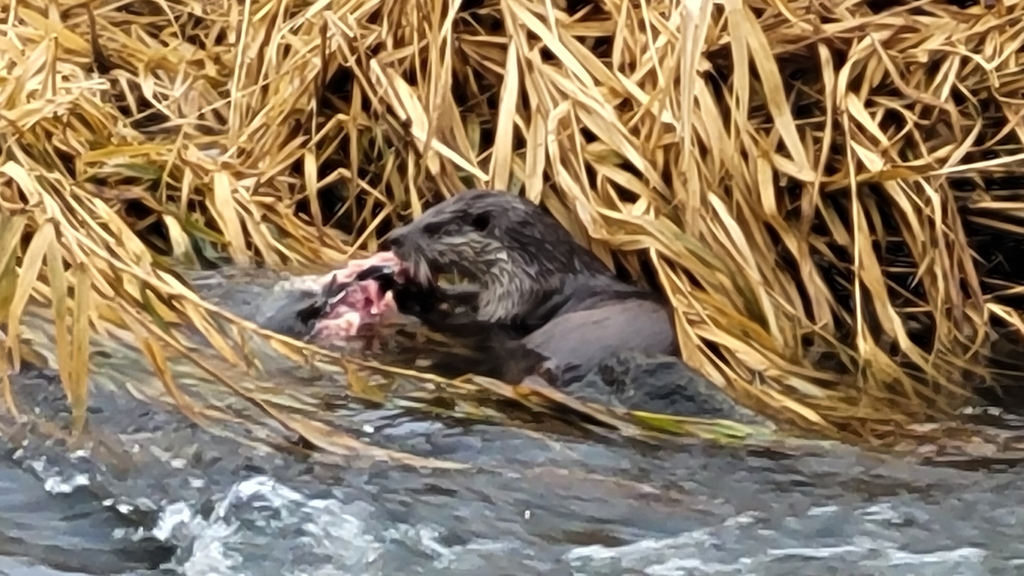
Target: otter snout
(402, 243)
(406, 244)
(395, 240)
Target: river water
(146, 491)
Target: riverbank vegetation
(825, 191)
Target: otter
(528, 274)
(539, 310)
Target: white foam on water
(331, 529)
(262, 526)
(210, 556)
(172, 516)
(712, 551)
(55, 485)
(681, 554)
(959, 555)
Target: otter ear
(480, 222)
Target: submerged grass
(799, 178)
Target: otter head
(516, 252)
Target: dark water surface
(148, 492)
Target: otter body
(534, 278)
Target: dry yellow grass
(784, 167)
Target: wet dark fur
(528, 268)
(534, 279)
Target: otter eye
(481, 222)
(433, 228)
